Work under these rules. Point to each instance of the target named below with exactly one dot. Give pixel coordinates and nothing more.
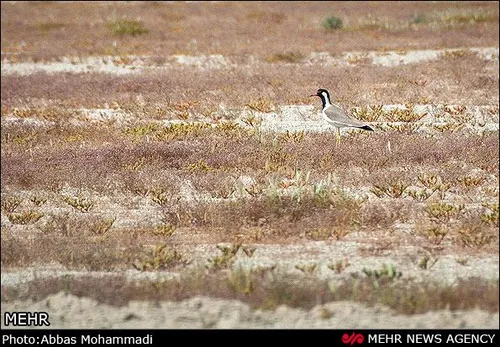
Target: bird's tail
(366, 127)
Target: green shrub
(127, 27)
(332, 23)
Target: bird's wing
(338, 115)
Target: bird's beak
(314, 95)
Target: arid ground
(164, 166)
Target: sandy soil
(137, 64)
(67, 311)
(366, 250)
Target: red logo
(353, 338)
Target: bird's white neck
(325, 100)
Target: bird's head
(322, 93)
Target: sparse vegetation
(10, 204)
(260, 105)
(332, 23)
(101, 226)
(339, 266)
(161, 257)
(226, 259)
(474, 235)
(420, 195)
(261, 292)
(436, 233)
(406, 114)
(491, 216)
(370, 113)
(196, 143)
(38, 200)
(386, 272)
(127, 27)
(394, 190)
(25, 217)
(443, 212)
(81, 204)
(288, 57)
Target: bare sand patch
(68, 311)
(134, 64)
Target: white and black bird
(336, 116)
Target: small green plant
(230, 128)
(470, 181)
(169, 222)
(277, 159)
(181, 130)
(288, 57)
(321, 191)
(387, 271)
(263, 105)
(455, 110)
(252, 121)
(369, 113)
(393, 190)
(200, 165)
(26, 217)
(319, 234)
(462, 261)
(339, 266)
(10, 204)
(254, 190)
(142, 130)
(441, 189)
(450, 127)
(162, 257)
(332, 23)
(164, 230)
(419, 195)
(436, 233)
(405, 127)
(473, 235)
(226, 259)
(434, 183)
(491, 216)
(429, 180)
(79, 203)
(462, 118)
(465, 16)
(135, 166)
(162, 197)
(127, 27)
(292, 136)
(406, 114)
(38, 201)
(101, 226)
(443, 212)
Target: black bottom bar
(231, 337)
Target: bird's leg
(338, 135)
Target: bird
(336, 116)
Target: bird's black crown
(321, 91)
